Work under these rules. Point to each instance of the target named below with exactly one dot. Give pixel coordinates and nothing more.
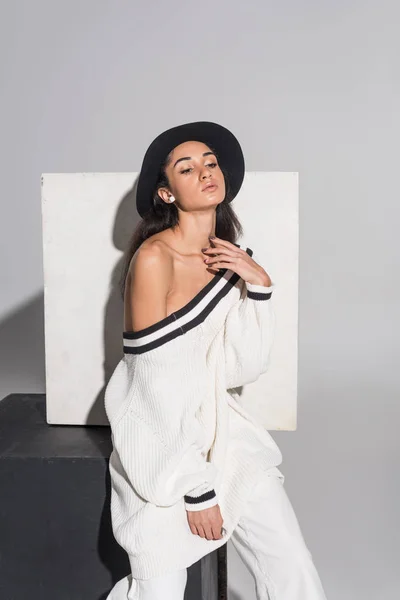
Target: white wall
(306, 86)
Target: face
(193, 166)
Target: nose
(206, 173)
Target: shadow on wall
(126, 221)
(22, 364)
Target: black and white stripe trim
(199, 499)
(259, 295)
(190, 315)
(181, 321)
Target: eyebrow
(190, 158)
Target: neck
(193, 230)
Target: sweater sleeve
(248, 334)
(158, 437)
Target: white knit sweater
(181, 439)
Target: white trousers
(270, 543)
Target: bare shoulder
(148, 284)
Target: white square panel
(88, 219)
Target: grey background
(306, 86)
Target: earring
(171, 199)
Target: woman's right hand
(206, 523)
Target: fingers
(223, 259)
(222, 252)
(224, 243)
(210, 532)
(219, 254)
(217, 533)
(207, 523)
(203, 532)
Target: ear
(164, 193)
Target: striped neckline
(188, 316)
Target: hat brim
(225, 144)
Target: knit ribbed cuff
(202, 501)
(259, 292)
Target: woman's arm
(157, 436)
(250, 324)
(164, 467)
(248, 334)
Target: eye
(213, 165)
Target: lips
(210, 187)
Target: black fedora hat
(225, 144)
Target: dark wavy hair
(163, 216)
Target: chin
(215, 201)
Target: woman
(190, 468)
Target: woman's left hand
(225, 255)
